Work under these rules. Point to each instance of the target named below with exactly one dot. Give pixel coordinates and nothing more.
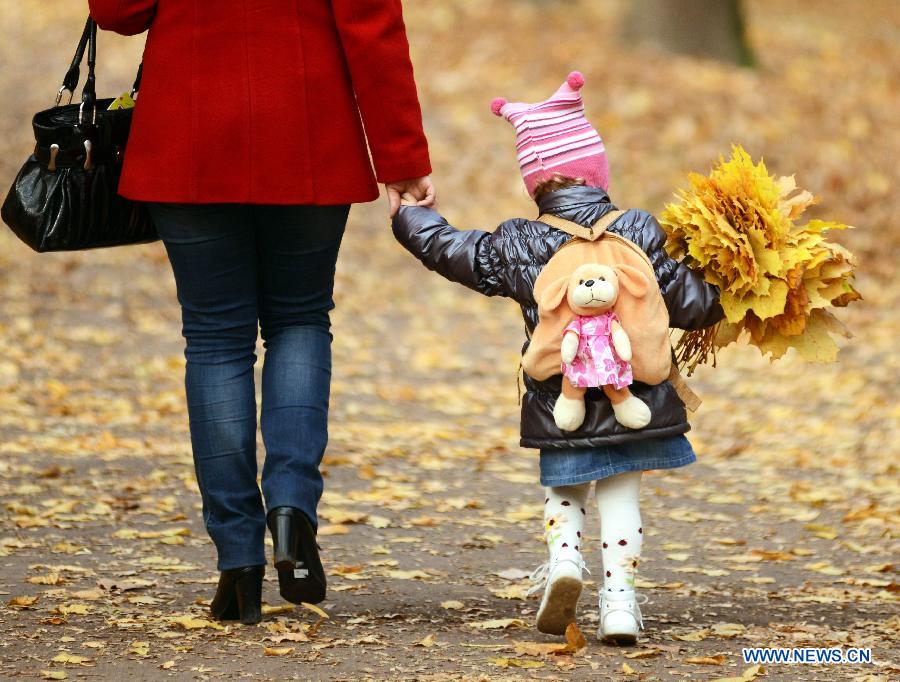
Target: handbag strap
(73, 75)
(88, 43)
(89, 91)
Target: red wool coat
(259, 101)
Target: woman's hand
(415, 192)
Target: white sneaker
(620, 617)
(561, 580)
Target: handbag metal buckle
(88, 155)
(81, 114)
(54, 150)
(60, 94)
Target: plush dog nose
(589, 283)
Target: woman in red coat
(249, 143)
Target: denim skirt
(580, 465)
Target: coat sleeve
(693, 303)
(374, 41)
(128, 17)
(464, 256)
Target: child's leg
(621, 534)
(564, 515)
(561, 577)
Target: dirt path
(429, 504)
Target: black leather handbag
(65, 197)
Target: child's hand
(421, 190)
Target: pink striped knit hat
(553, 137)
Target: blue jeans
(239, 269)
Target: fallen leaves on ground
(71, 659)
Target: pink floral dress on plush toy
(596, 363)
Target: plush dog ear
(554, 294)
(634, 281)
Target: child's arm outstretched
(464, 256)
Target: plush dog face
(592, 289)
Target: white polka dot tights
(621, 532)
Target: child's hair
(556, 182)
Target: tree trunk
(701, 28)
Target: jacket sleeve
(693, 303)
(374, 41)
(464, 256)
(128, 17)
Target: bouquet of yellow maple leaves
(777, 278)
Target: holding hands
(415, 192)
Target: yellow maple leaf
(189, 622)
(139, 648)
(278, 651)
(516, 663)
(70, 659)
(499, 624)
(575, 640)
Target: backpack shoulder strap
(591, 233)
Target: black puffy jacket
(506, 262)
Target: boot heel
(301, 577)
(248, 594)
(239, 595)
(285, 540)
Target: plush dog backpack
(641, 312)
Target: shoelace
(541, 574)
(639, 600)
(539, 578)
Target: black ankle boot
(239, 595)
(300, 573)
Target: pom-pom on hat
(553, 137)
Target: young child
(564, 165)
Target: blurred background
(425, 371)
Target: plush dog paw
(631, 412)
(568, 414)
